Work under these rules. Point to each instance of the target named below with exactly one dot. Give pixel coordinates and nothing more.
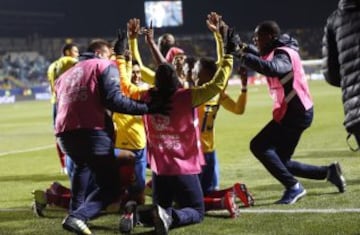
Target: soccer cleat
(243, 194)
(292, 195)
(128, 219)
(336, 177)
(162, 221)
(75, 225)
(230, 205)
(39, 202)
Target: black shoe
(162, 221)
(75, 225)
(336, 177)
(128, 219)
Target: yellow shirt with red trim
(129, 129)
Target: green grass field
(28, 161)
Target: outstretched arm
(155, 52)
(229, 104)
(113, 98)
(219, 81)
(147, 74)
(216, 25)
(129, 89)
(208, 90)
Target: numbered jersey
(207, 114)
(173, 140)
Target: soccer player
(165, 42)
(70, 54)
(129, 129)
(207, 116)
(205, 70)
(58, 195)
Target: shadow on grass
(324, 154)
(151, 232)
(33, 178)
(22, 214)
(110, 230)
(19, 214)
(24, 217)
(223, 214)
(265, 196)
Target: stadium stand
(24, 61)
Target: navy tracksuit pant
(275, 144)
(185, 191)
(93, 154)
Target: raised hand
(121, 42)
(213, 21)
(232, 42)
(133, 28)
(149, 34)
(128, 55)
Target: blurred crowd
(23, 69)
(24, 64)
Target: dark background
(79, 18)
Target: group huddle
(114, 117)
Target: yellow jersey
(207, 112)
(129, 129)
(57, 68)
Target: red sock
(60, 200)
(212, 203)
(57, 188)
(61, 155)
(226, 202)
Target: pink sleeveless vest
(78, 98)
(174, 141)
(300, 86)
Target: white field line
(27, 150)
(298, 211)
(288, 211)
